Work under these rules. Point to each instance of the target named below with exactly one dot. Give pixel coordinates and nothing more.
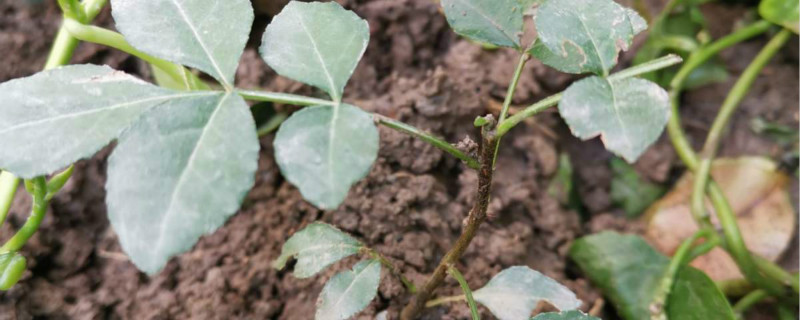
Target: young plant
(186, 153)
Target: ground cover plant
(186, 152)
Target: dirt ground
(411, 205)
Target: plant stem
(427, 137)
(507, 124)
(510, 97)
(273, 123)
(37, 214)
(473, 308)
(57, 182)
(392, 269)
(729, 106)
(748, 301)
(475, 218)
(91, 8)
(443, 300)
(71, 9)
(284, 98)
(676, 263)
(712, 241)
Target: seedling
(186, 152)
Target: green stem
(733, 241)
(37, 214)
(748, 301)
(63, 47)
(284, 98)
(72, 9)
(58, 181)
(678, 260)
(729, 106)
(272, 124)
(91, 8)
(440, 301)
(8, 188)
(510, 97)
(392, 269)
(505, 125)
(427, 137)
(473, 307)
(712, 241)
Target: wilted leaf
(498, 22)
(514, 293)
(628, 114)
(315, 247)
(209, 35)
(564, 315)
(179, 173)
(324, 150)
(782, 12)
(316, 43)
(629, 272)
(56, 117)
(585, 40)
(349, 292)
(757, 192)
(630, 191)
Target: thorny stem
(679, 259)
(37, 214)
(507, 124)
(392, 269)
(427, 137)
(473, 307)
(733, 241)
(475, 218)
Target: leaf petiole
(473, 307)
(285, 98)
(37, 214)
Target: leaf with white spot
(586, 35)
(323, 150)
(56, 117)
(628, 114)
(316, 43)
(179, 173)
(349, 292)
(564, 315)
(209, 35)
(498, 22)
(315, 247)
(514, 292)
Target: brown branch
(476, 216)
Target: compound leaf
(315, 247)
(178, 173)
(514, 293)
(586, 35)
(782, 12)
(629, 271)
(498, 22)
(209, 35)
(316, 43)
(564, 315)
(56, 117)
(628, 114)
(349, 292)
(324, 150)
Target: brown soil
(411, 205)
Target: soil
(411, 205)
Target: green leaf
(628, 114)
(56, 117)
(514, 293)
(498, 22)
(564, 315)
(316, 43)
(315, 247)
(694, 296)
(629, 271)
(584, 35)
(782, 12)
(178, 174)
(630, 191)
(349, 292)
(209, 35)
(12, 266)
(324, 150)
